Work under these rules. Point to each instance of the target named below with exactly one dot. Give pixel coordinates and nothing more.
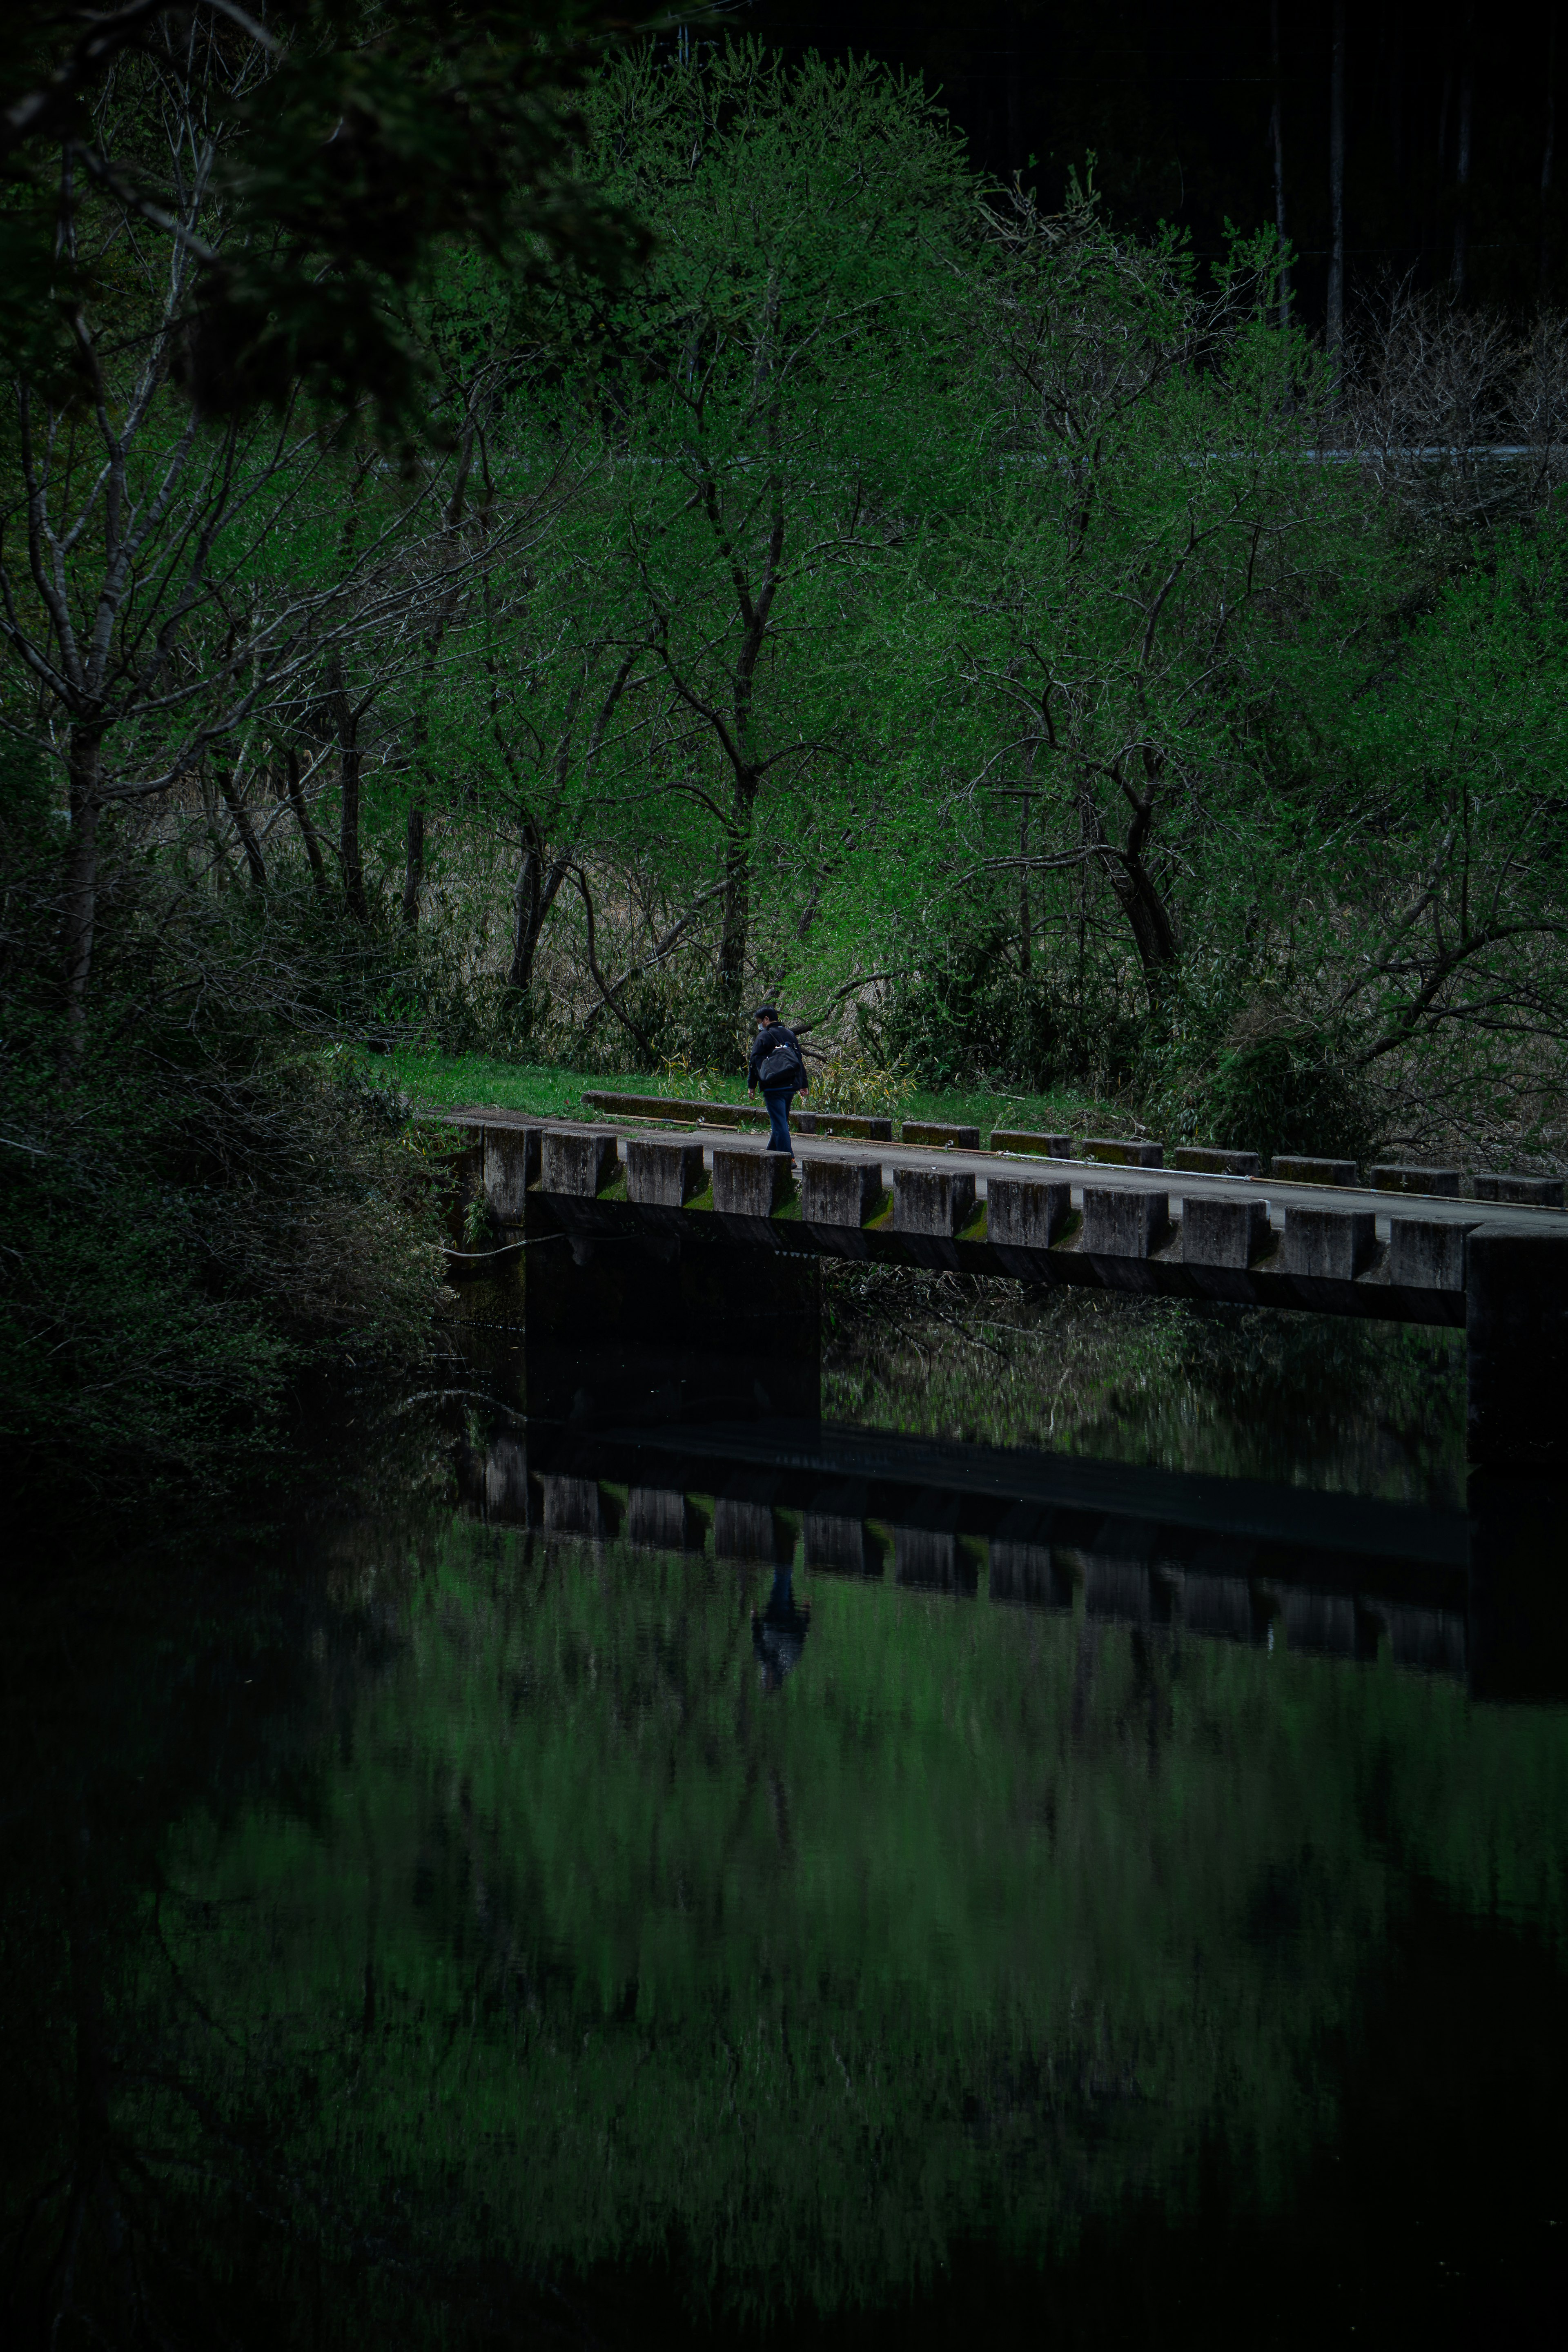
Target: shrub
(853, 1081)
(1263, 1076)
(968, 1014)
(180, 1244)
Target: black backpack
(781, 1065)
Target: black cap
(765, 1011)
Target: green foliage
(27, 809)
(479, 1229)
(1246, 1393)
(202, 1199)
(347, 155)
(854, 1081)
(1231, 1064)
(931, 614)
(181, 1244)
(968, 1012)
(1278, 1086)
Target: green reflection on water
(564, 1944)
(1364, 1407)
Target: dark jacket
(769, 1041)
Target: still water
(995, 1862)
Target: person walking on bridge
(778, 1066)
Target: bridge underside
(1162, 1275)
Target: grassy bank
(443, 1079)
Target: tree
(334, 155)
(768, 399)
(1455, 854)
(1144, 526)
(533, 720)
(175, 589)
(1277, 144)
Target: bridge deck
(1178, 1184)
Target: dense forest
(524, 538)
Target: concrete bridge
(1404, 1247)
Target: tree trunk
(1148, 917)
(1025, 912)
(1409, 245)
(307, 830)
(350, 870)
(1337, 199)
(1149, 920)
(735, 936)
(84, 760)
(244, 827)
(540, 879)
(1431, 210)
(414, 864)
(1443, 107)
(527, 918)
(217, 834)
(1277, 137)
(1462, 162)
(348, 829)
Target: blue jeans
(778, 1100)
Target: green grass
(439, 1079)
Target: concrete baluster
(1203, 1160)
(1442, 1183)
(662, 1172)
(1122, 1151)
(839, 1191)
(1124, 1223)
(939, 1133)
(1521, 1191)
(1025, 1139)
(510, 1165)
(751, 1183)
(1425, 1253)
(1292, 1170)
(933, 1201)
(578, 1162)
(1329, 1244)
(1224, 1232)
(1025, 1211)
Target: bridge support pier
(1516, 1325)
(644, 1329)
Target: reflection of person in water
(778, 1630)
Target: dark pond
(1072, 1846)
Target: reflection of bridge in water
(1230, 1558)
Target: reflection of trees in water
(463, 1920)
(142, 2201)
(1257, 1392)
